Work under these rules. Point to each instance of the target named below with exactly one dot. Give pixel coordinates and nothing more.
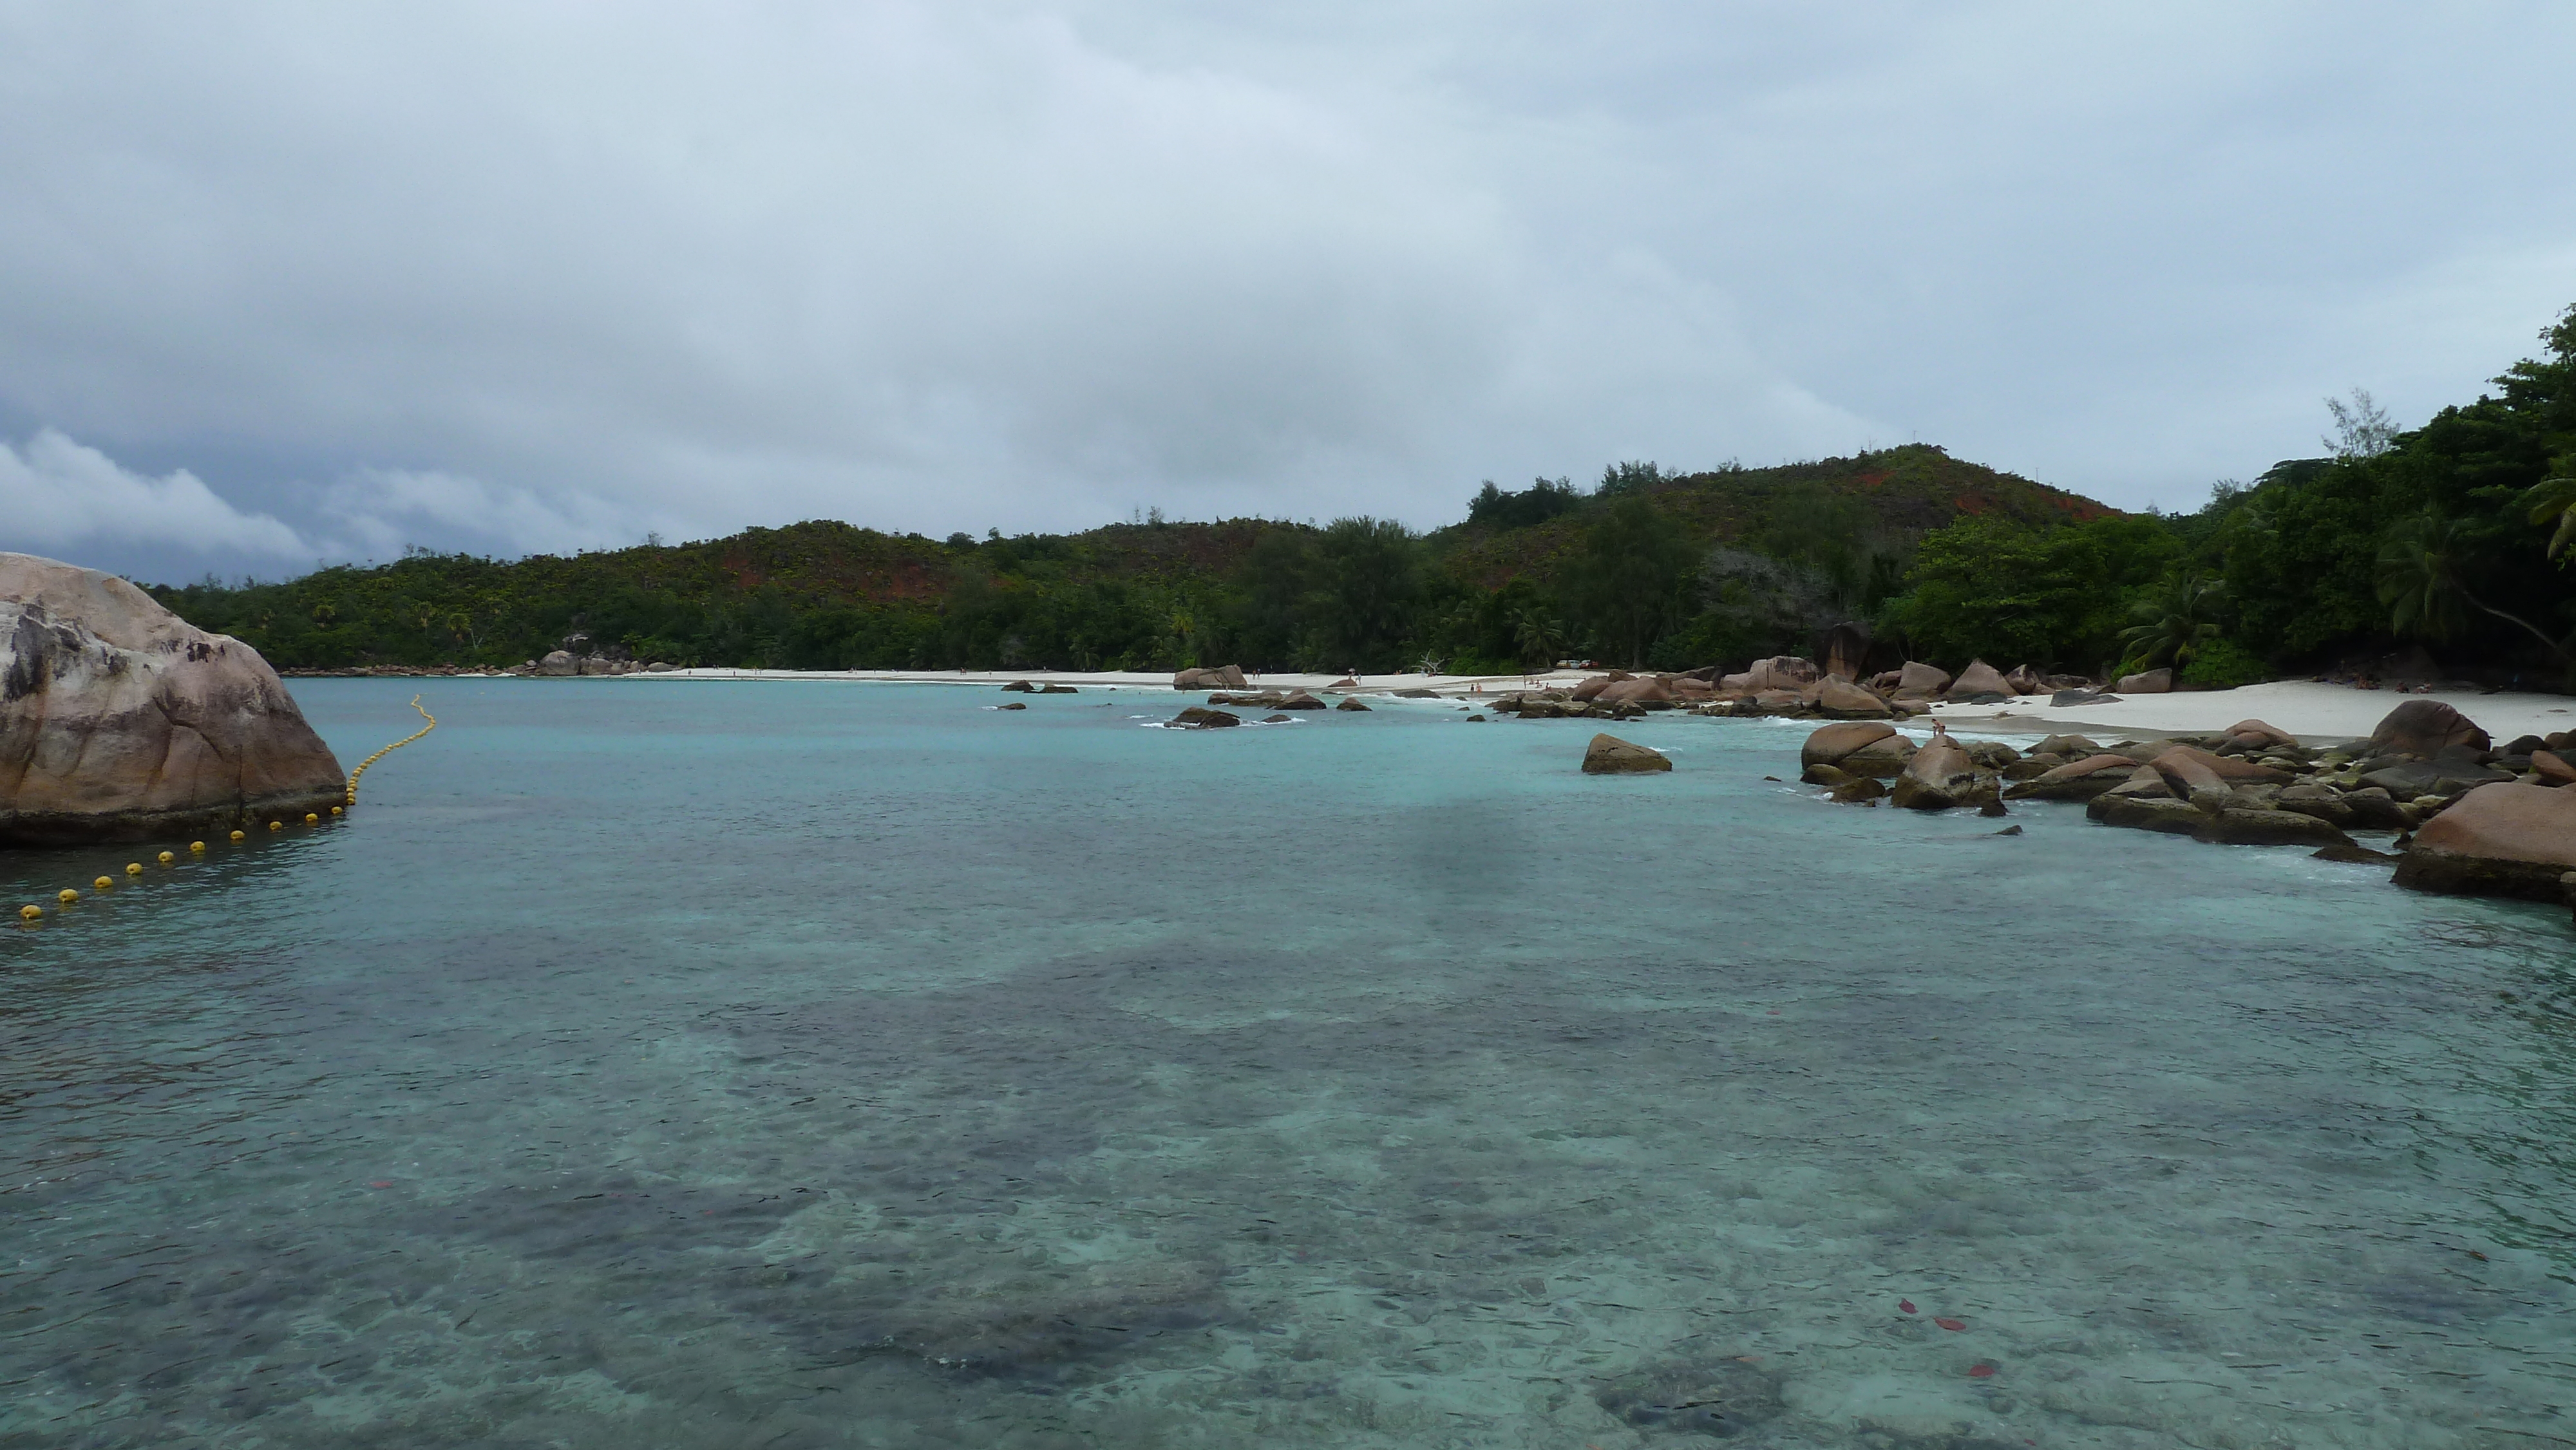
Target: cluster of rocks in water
(2468, 816)
(1788, 685)
(555, 664)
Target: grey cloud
(520, 277)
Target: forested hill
(825, 594)
(2455, 537)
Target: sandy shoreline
(2316, 713)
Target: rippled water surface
(693, 1064)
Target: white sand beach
(2317, 713)
(2302, 707)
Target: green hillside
(1362, 593)
(2455, 536)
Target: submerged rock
(1350, 702)
(1200, 717)
(120, 721)
(1610, 755)
(1723, 1397)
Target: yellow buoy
(67, 896)
(197, 846)
(167, 858)
(277, 825)
(311, 819)
(30, 913)
(335, 810)
(102, 883)
(237, 835)
(133, 868)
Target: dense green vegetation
(1645, 568)
(2454, 536)
(2455, 533)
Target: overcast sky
(287, 283)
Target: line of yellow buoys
(388, 750)
(65, 897)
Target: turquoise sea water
(694, 1064)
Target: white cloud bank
(534, 277)
(57, 496)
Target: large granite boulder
(2506, 839)
(2190, 778)
(1845, 648)
(2146, 813)
(2150, 682)
(1940, 776)
(1980, 681)
(1918, 678)
(1829, 745)
(558, 662)
(2426, 728)
(2226, 767)
(1644, 690)
(1219, 677)
(2259, 735)
(1592, 687)
(1200, 717)
(1884, 757)
(2027, 681)
(119, 721)
(2076, 780)
(2237, 827)
(1610, 755)
(1843, 700)
(2452, 772)
(1783, 672)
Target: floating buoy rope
(390, 749)
(32, 913)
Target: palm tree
(2420, 565)
(2554, 497)
(1538, 634)
(2175, 621)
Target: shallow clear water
(801, 1064)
